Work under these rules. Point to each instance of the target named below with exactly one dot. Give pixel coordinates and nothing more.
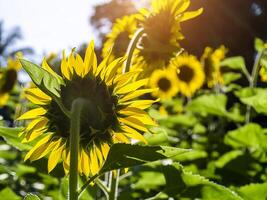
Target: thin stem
(113, 195)
(76, 109)
(130, 50)
(103, 187)
(253, 79)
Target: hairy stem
(76, 109)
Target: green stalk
(130, 50)
(253, 79)
(76, 109)
(103, 187)
(113, 195)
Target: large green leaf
(251, 135)
(235, 63)
(12, 138)
(253, 191)
(213, 104)
(8, 194)
(126, 155)
(254, 97)
(182, 184)
(42, 78)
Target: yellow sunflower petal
(33, 135)
(132, 86)
(189, 15)
(142, 104)
(121, 138)
(85, 163)
(135, 94)
(133, 122)
(132, 133)
(90, 61)
(99, 155)
(32, 114)
(54, 157)
(131, 111)
(65, 70)
(105, 149)
(39, 144)
(94, 167)
(79, 66)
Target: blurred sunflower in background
(162, 33)
(166, 82)
(114, 115)
(8, 78)
(211, 63)
(189, 73)
(263, 74)
(119, 37)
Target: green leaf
(187, 120)
(230, 77)
(31, 197)
(126, 155)
(227, 157)
(250, 135)
(213, 104)
(42, 78)
(144, 180)
(254, 97)
(182, 184)
(12, 138)
(21, 170)
(258, 44)
(235, 63)
(8, 194)
(254, 191)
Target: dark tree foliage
(234, 23)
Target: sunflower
(189, 73)
(162, 33)
(211, 62)
(166, 82)
(115, 114)
(263, 74)
(119, 37)
(8, 78)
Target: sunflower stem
(76, 110)
(113, 195)
(103, 187)
(131, 47)
(253, 80)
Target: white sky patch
(49, 25)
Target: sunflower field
(139, 115)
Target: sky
(49, 25)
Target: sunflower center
(121, 44)
(164, 84)
(96, 118)
(185, 73)
(10, 78)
